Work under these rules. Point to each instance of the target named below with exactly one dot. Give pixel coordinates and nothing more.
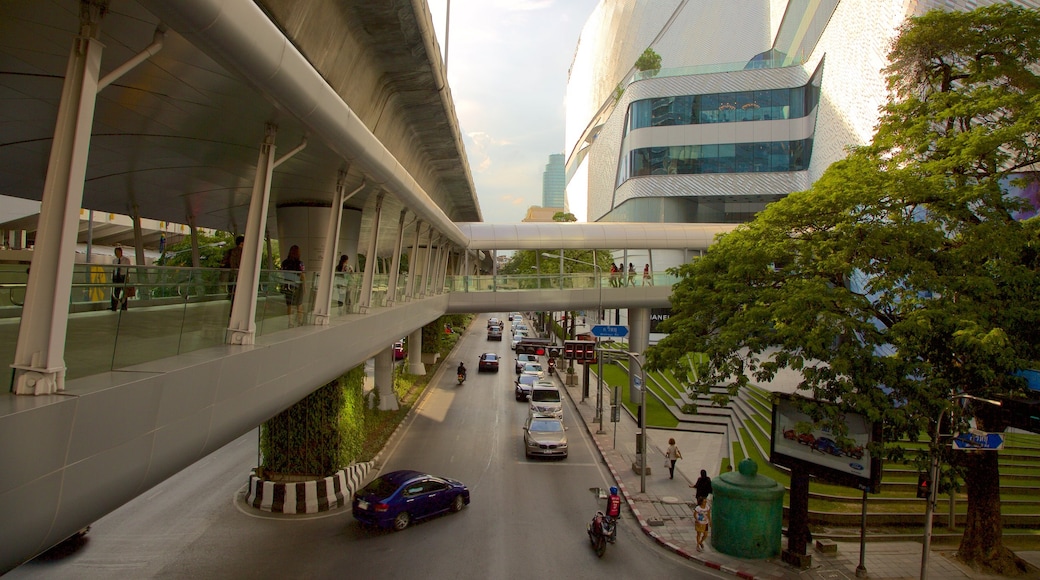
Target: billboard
(657, 316)
(798, 444)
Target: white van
(546, 400)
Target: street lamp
(934, 475)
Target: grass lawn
(657, 415)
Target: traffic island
(308, 496)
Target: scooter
(462, 378)
(602, 529)
(552, 366)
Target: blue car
(395, 499)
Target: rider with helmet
(613, 503)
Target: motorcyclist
(613, 503)
(462, 370)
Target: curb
(643, 524)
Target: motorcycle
(602, 529)
(552, 366)
(462, 378)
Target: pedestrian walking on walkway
(703, 486)
(671, 455)
(702, 521)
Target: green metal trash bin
(747, 513)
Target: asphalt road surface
(526, 520)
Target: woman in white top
(671, 456)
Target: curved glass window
(763, 105)
(776, 156)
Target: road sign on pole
(978, 441)
(609, 331)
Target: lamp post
(926, 545)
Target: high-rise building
(749, 104)
(553, 182)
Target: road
(526, 520)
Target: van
(546, 400)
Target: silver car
(545, 436)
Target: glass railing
(172, 311)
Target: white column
(444, 269)
(371, 260)
(323, 300)
(395, 266)
(242, 328)
(39, 361)
(384, 378)
(638, 329)
(429, 263)
(413, 262)
(415, 364)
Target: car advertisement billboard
(798, 443)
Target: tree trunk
(982, 543)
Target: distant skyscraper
(553, 182)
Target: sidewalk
(665, 511)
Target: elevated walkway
(158, 390)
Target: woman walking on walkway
(701, 521)
(671, 456)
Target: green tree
(649, 61)
(902, 278)
(211, 250)
(561, 216)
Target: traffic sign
(978, 441)
(609, 331)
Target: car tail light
(380, 507)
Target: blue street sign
(978, 441)
(609, 331)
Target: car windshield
(546, 396)
(380, 487)
(547, 426)
(490, 357)
(533, 367)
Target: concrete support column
(638, 329)
(196, 258)
(241, 327)
(395, 265)
(443, 278)
(371, 260)
(415, 364)
(39, 361)
(384, 378)
(323, 300)
(138, 239)
(413, 263)
(429, 264)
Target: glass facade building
(553, 181)
(744, 110)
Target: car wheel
(458, 503)
(401, 521)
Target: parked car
(395, 499)
(399, 351)
(494, 333)
(523, 385)
(825, 445)
(546, 400)
(545, 436)
(533, 368)
(488, 362)
(523, 359)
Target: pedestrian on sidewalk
(701, 521)
(671, 455)
(703, 486)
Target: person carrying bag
(671, 455)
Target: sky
(507, 69)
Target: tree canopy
(904, 277)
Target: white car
(533, 368)
(545, 400)
(517, 337)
